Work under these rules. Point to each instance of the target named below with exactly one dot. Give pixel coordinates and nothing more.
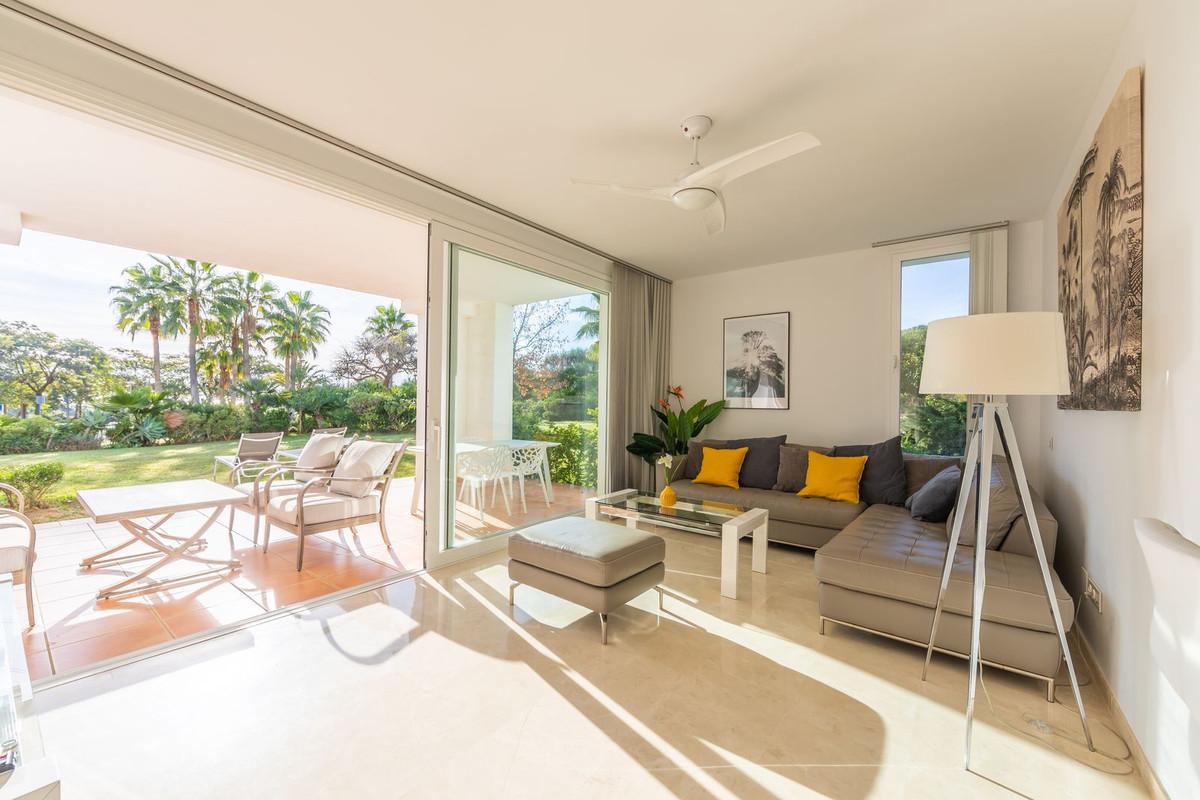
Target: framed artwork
(755, 368)
(1100, 261)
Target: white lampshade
(1016, 353)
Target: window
(930, 288)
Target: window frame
(913, 251)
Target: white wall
(1105, 468)
(844, 331)
(841, 334)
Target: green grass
(93, 469)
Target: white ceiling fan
(701, 189)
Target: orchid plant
(677, 426)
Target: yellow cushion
(833, 477)
(721, 467)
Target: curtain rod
(163, 68)
(969, 229)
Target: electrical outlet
(1092, 592)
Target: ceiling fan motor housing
(696, 126)
(694, 198)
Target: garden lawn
(94, 469)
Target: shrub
(380, 410)
(205, 422)
(574, 461)
(272, 418)
(30, 435)
(32, 480)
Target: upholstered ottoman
(599, 565)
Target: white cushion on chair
(361, 460)
(322, 507)
(321, 451)
(278, 487)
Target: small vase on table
(667, 496)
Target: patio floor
(73, 629)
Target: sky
(61, 285)
(934, 290)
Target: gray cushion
(1003, 509)
(888, 553)
(780, 506)
(920, 468)
(761, 465)
(593, 552)
(695, 456)
(934, 501)
(793, 466)
(883, 479)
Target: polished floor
(434, 688)
(73, 629)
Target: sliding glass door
(522, 407)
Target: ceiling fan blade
(714, 217)
(647, 192)
(721, 172)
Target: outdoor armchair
(251, 447)
(17, 553)
(354, 494)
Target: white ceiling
(933, 113)
(73, 175)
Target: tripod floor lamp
(993, 356)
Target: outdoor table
(142, 511)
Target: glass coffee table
(730, 522)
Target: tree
(386, 349)
(204, 293)
(388, 321)
(35, 363)
(589, 329)
(295, 326)
(929, 423)
(256, 297)
(537, 334)
(149, 300)
(382, 358)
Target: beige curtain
(639, 364)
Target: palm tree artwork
(1100, 262)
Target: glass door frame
(438, 375)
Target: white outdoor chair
(355, 494)
(251, 447)
(17, 553)
(526, 462)
(318, 459)
(478, 468)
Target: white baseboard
(1135, 747)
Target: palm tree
(149, 300)
(295, 326)
(590, 327)
(389, 322)
(256, 297)
(204, 293)
(1111, 191)
(1074, 305)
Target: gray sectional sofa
(878, 570)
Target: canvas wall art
(756, 361)
(1100, 262)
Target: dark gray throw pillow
(793, 466)
(696, 454)
(883, 479)
(934, 501)
(761, 465)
